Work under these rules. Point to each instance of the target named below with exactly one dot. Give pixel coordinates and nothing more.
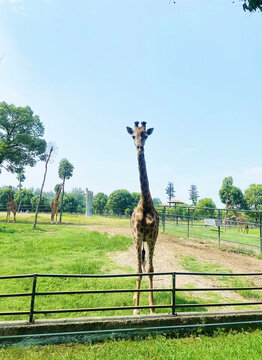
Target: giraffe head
(139, 134)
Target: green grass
(62, 249)
(232, 234)
(231, 346)
(190, 263)
(23, 218)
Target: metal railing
(173, 306)
(190, 222)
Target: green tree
(231, 195)
(20, 177)
(252, 5)
(23, 198)
(253, 197)
(157, 201)
(80, 197)
(205, 203)
(21, 141)
(65, 172)
(248, 5)
(135, 198)
(70, 203)
(170, 191)
(119, 201)
(99, 203)
(193, 194)
(42, 206)
(56, 188)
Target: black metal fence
(241, 227)
(173, 306)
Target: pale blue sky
(90, 68)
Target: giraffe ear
(149, 131)
(129, 130)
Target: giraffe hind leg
(139, 278)
(150, 280)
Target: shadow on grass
(5, 230)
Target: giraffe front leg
(139, 278)
(14, 216)
(7, 216)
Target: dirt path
(166, 259)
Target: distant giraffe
(11, 205)
(242, 220)
(55, 205)
(145, 219)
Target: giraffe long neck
(144, 184)
(9, 195)
(58, 193)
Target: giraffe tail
(143, 256)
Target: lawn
(71, 219)
(240, 346)
(66, 249)
(63, 249)
(198, 230)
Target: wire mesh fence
(242, 227)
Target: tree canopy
(193, 194)
(99, 203)
(248, 5)
(65, 170)
(231, 195)
(206, 203)
(252, 5)
(119, 201)
(170, 191)
(21, 137)
(253, 196)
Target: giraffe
(228, 218)
(11, 205)
(55, 205)
(242, 220)
(145, 219)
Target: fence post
(31, 318)
(219, 217)
(164, 219)
(188, 213)
(260, 231)
(173, 293)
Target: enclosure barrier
(173, 290)
(193, 222)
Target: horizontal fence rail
(233, 226)
(173, 306)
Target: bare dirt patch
(166, 260)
